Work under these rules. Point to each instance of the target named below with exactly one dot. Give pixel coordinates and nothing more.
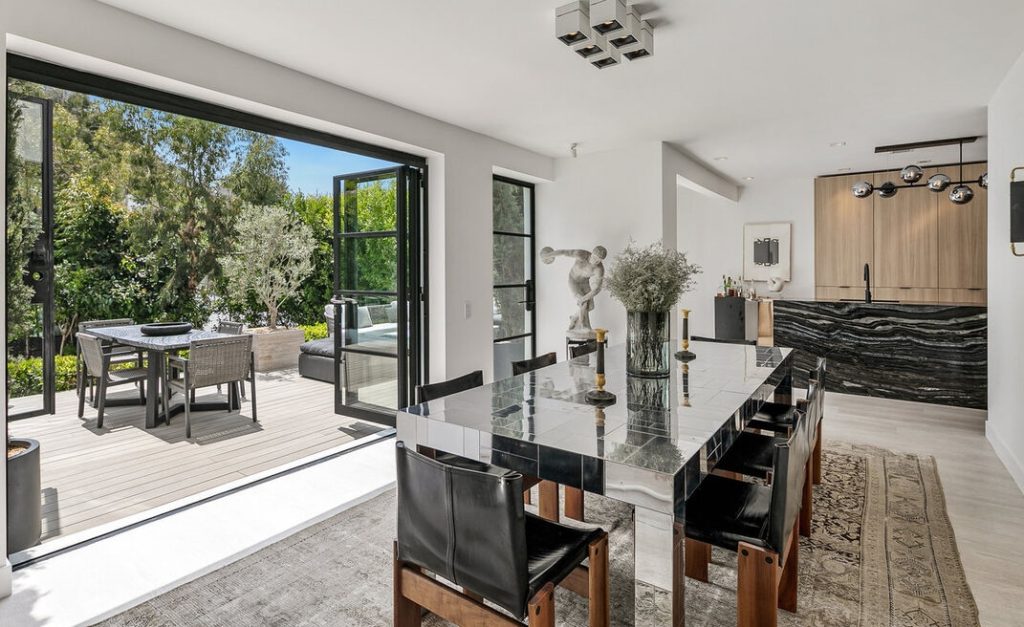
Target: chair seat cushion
(751, 454)
(725, 512)
(774, 417)
(554, 550)
(125, 375)
(323, 347)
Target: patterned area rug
(882, 552)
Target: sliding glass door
(29, 218)
(514, 294)
(378, 287)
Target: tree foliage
(271, 257)
(23, 226)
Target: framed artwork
(766, 251)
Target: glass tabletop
(657, 424)
(133, 336)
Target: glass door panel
(375, 278)
(30, 339)
(513, 272)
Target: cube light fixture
(572, 22)
(604, 31)
(608, 16)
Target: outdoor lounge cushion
(322, 348)
(364, 318)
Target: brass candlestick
(685, 355)
(599, 396)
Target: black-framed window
(514, 306)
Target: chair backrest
(529, 365)
(97, 324)
(228, 326)
(582, 349)
(467, 526)
(432, 391)
(219, 360)
(90, 350)
(788, 475)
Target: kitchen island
(932, 353)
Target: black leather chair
(548, 490)
(469, 527)
(433, 391)
(759, 523)
(529, 365)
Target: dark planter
(24, 498)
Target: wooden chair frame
(415, 591)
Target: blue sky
(312, 168)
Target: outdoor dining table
(157, 346)
(650, 449)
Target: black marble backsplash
(926, 353)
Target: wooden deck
(93, 476)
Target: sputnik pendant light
(961, 194)
(604, 31)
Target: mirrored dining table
(157, 346)
(650, 449)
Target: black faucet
(867, 283)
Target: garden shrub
(314, 331)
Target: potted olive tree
(272, 255)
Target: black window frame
(530, 283)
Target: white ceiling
(767, 84)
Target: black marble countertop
(878, 303)
(910, 351)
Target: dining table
(157, 347)
(650, 449)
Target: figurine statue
(586, 278)
(775, 284)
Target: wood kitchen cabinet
(843, 232)
(963, 235)
(906, 235)
(921, 246)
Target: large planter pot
(24, 497)
(276, 349)
(647, 343)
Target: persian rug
(881, 552)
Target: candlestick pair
(685, 355)
(599, 396)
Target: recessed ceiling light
(844, 169)
(748, 178)
(837, 145)
(721, 158)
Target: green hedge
(25, 375)
(314, 331)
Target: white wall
(604, 199)
(610, 198)
(1005, 426)
(710, 230)
(5, 564)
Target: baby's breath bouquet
(651, 278)
(649, 281)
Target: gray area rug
(882, 552)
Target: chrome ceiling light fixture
(604, 31)
(961, 194)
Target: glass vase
(647, 343)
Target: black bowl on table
(166, 328)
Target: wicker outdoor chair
(95, 358)
(119, 353)
(234, 328)
(215, 361)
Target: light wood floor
(985, 505)
(93, 476)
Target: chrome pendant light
(961, 194)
